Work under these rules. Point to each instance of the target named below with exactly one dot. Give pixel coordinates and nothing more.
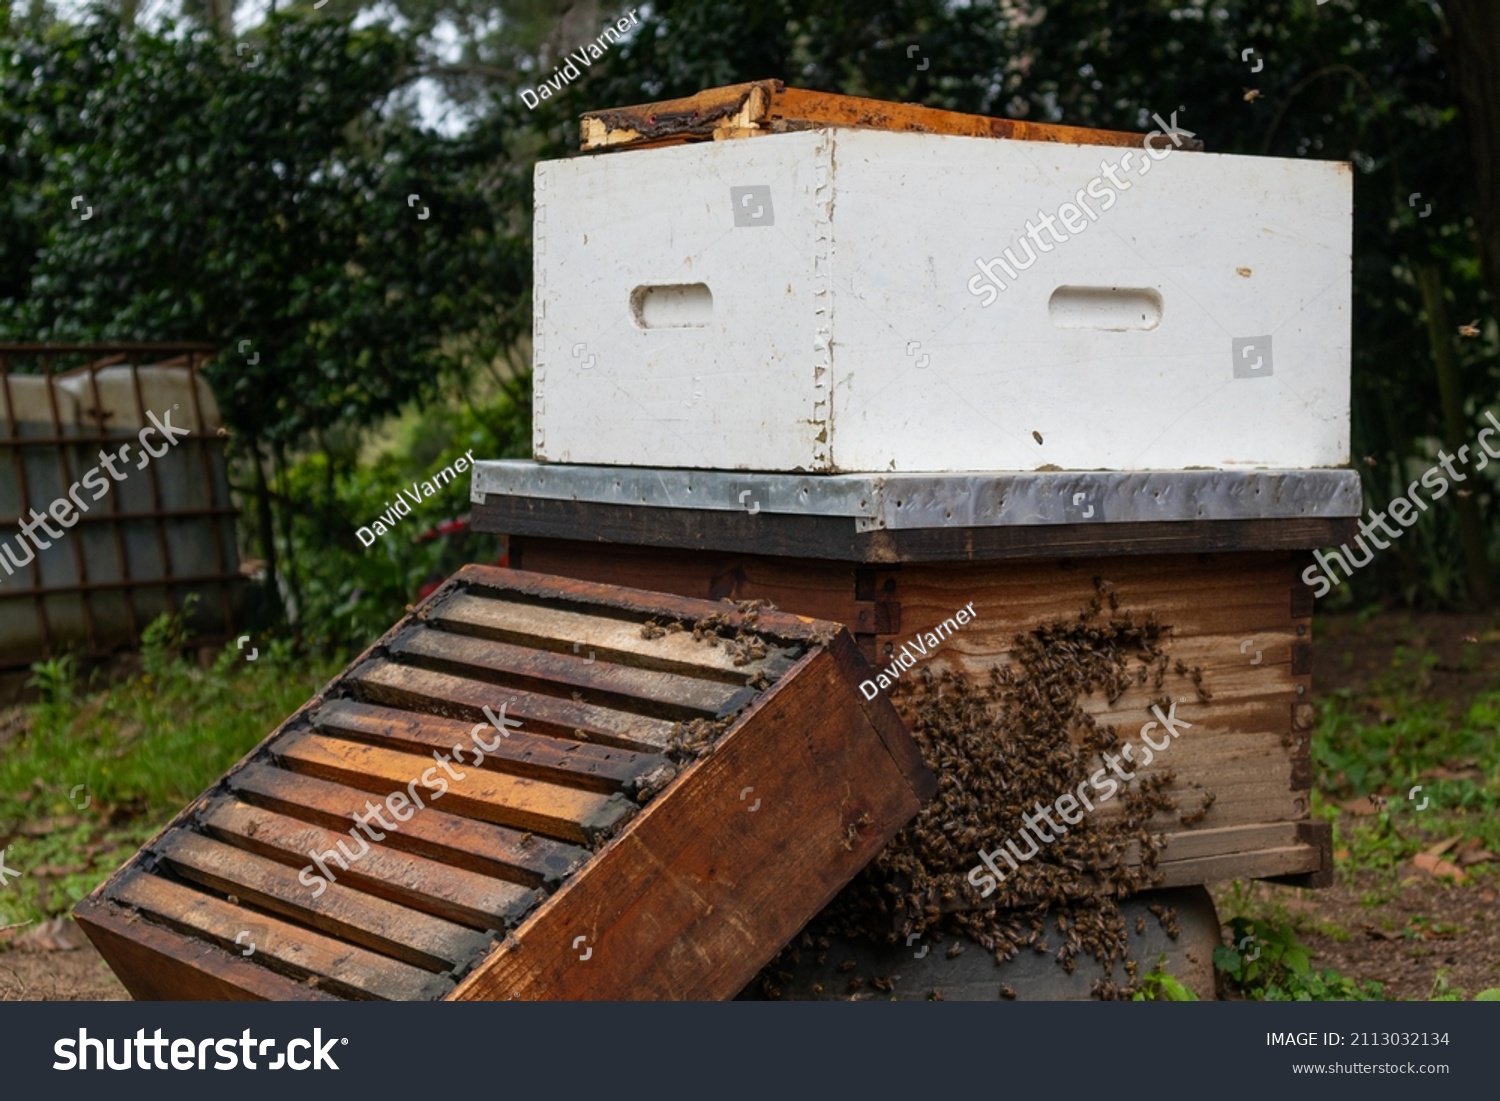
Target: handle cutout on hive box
(1114, 309)
(672, 306)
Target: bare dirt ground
(79, 975)
(54, 962)
(1430, 937)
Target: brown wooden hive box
(1229, 590)
(665, 809)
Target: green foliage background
(251, 179)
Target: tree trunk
(1456, 430)
(264, 523)
(288, 519)
(1473, 54)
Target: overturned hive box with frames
(529, 788)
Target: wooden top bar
(770, 107)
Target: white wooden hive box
(812, 302)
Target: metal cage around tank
(163, 532)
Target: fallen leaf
(1380, 934)
(58, 934)
(1443, 846)
(1441, 773)
(1341, 854)
(1435, 866)
(55, 871)
(1476, 856)
(7, 932)
(49, 825)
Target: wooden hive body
(537, 875)
(1230, 590)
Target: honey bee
(1469, 330)
(1037, 436)
(1251, 95)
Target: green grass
(1392, 738)
(1266, 962)
(1159, 985)
(1390, 735)
(98, 772)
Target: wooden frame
(770, 107)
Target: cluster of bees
(743, 646)
(695, 738)
(1000, 747)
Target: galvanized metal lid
(896, 502)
